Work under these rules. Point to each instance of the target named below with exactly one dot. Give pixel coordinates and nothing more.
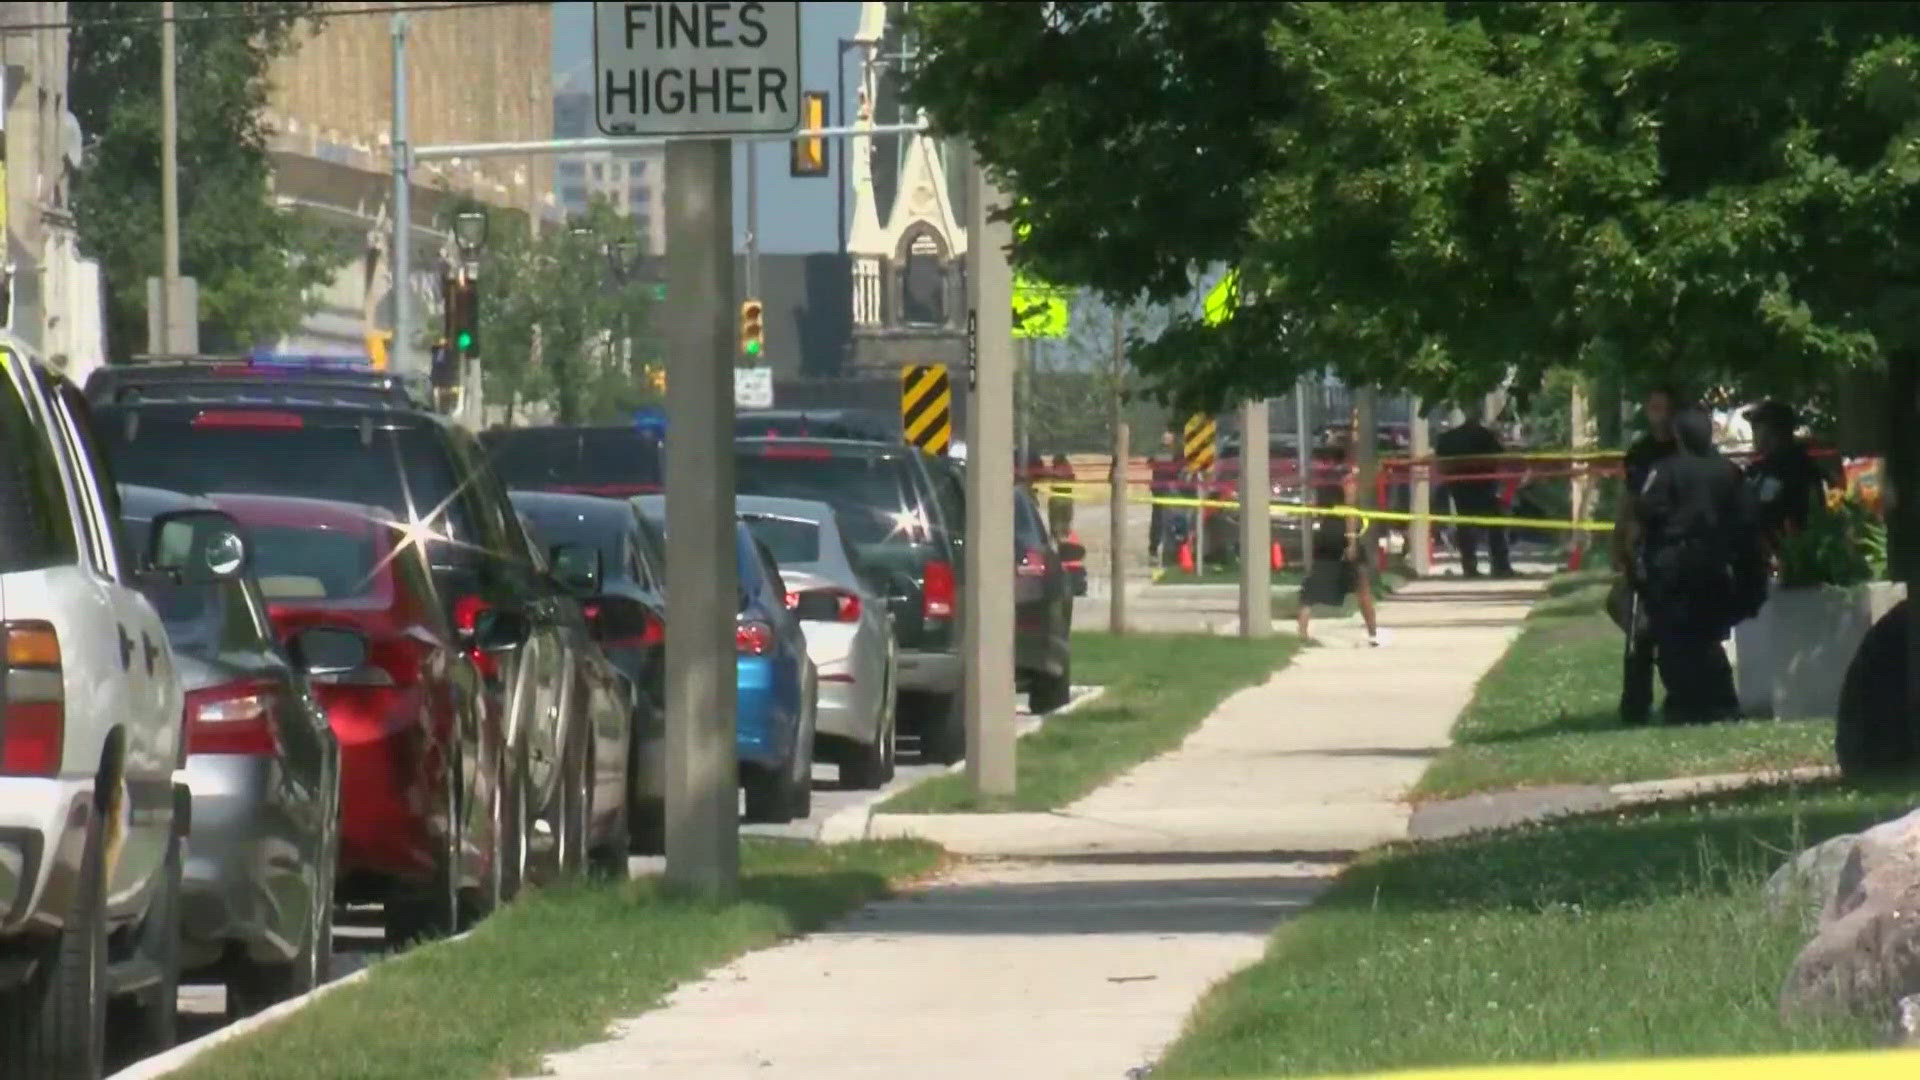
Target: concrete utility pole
(987, 611)
(169, 186)
(753, 221)
(1303, 451)
(402, 260)
(1117, 486)
(1256, 528)
(1420, 535)
(703, 803)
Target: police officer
(1467, 451)
(1165, 483)
(1784, 480)
(1701, 569)
(1646, 452)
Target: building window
(923, 283)
(599, 171)
(573, 170)
(573, 196)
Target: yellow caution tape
(1295, 509)
(1870, 1065)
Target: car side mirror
(817, 605)
(1072, 551)
(326, 650)
(196, 547)
(577, 568)
(499, 630)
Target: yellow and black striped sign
(926, 406)
(1199, 443)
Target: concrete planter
(1804, 640)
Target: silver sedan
(849, 633)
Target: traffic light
(657, 378)
(810, 152)
(753, 330)
(463, 316)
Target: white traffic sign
(753, 388)
(697, 69)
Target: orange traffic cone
(1279, 559)
(1186, 556)
(1576, 557)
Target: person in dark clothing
(1060, 498)
(1465, 452)
(1785, 481)
(1646, 452)
(1702, 569)
(1339, 558)
(1165, 484)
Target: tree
(255, 262)
(1075, 376)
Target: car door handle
(126, 649)
(153, 653)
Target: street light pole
(402, 202)
(169, 186)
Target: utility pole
(1420, 534)
(169, 187)
(987, 609)
(703, 826)
(1256, 529)
(402, 204)
(1117, 484)
(753, 221)
(1303, 452)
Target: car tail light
(653, 632)
(237, 718)
(937, 591)
(790, 452)
(1032, 564)
(466, 615)
(753, 638)
(33, 717)
(249, 418)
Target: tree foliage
(255, 261)
(1076, 378)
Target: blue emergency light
(308, 362)
(651, 419)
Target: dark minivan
(906, 526)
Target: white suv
(91, 819)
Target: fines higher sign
(697, 69)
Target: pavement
(1074, 944)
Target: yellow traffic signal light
(753, 330)
(810, 152)
(657, 378)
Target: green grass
(1159, 687)
(550, 971)
(1615, 936)
(1547, 713)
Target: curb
(856, 822)
(1493, 810)
(180, 1056)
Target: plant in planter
(1829, 592)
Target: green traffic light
(753, 348)
(464, 341)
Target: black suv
(242, 380)
(905, 522)
(613, 461)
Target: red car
(423, 778)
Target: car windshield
(566, 527)
(384, 467)
(544, 458)
(318, 563)
(869, 490)
(205, 620)
(33, 515)
(791, 541)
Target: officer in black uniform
(1636, 676)
(1785, 481)
(1468, 451)
(1165, 466)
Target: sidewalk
(1074, 944)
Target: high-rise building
(627, 180)
(474, 74)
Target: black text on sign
(686, 67)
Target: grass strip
(1159, 687)
(1546, 713)
(551, 970)
(1631, 935)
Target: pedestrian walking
(1468, 458)
(1783, 478)
(1626, 603)
(1339, 556)
(1060, 502)
(1164, 483)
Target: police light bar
(358, 365)
(652, 420)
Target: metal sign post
(702, 71)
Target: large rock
(1882, 863)
(1864, 963)
(1807, 885)
(1875, 734)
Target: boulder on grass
(1881, 865)
(1862, 964)
(1875, 735)
(1807, 885)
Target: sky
(797, 215)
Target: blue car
(775, 684)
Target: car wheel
(56, 1023)
(1050, 692)
(253, 987)
(145, 1020)
(646, 816)
(943, 731)
(869, 767)
(609, 859)
(800, 777)
(766, 797)
(509, 869)
(435, 910)
(576, 807)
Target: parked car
(257, 892)
(92, 820)
(849, 633)
(776, 686)
(614, 461)
(259, 380)
(418, 745)
(864, 425)
(1043, 608)
(433, 479)
(906, 524)
(601, 553)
